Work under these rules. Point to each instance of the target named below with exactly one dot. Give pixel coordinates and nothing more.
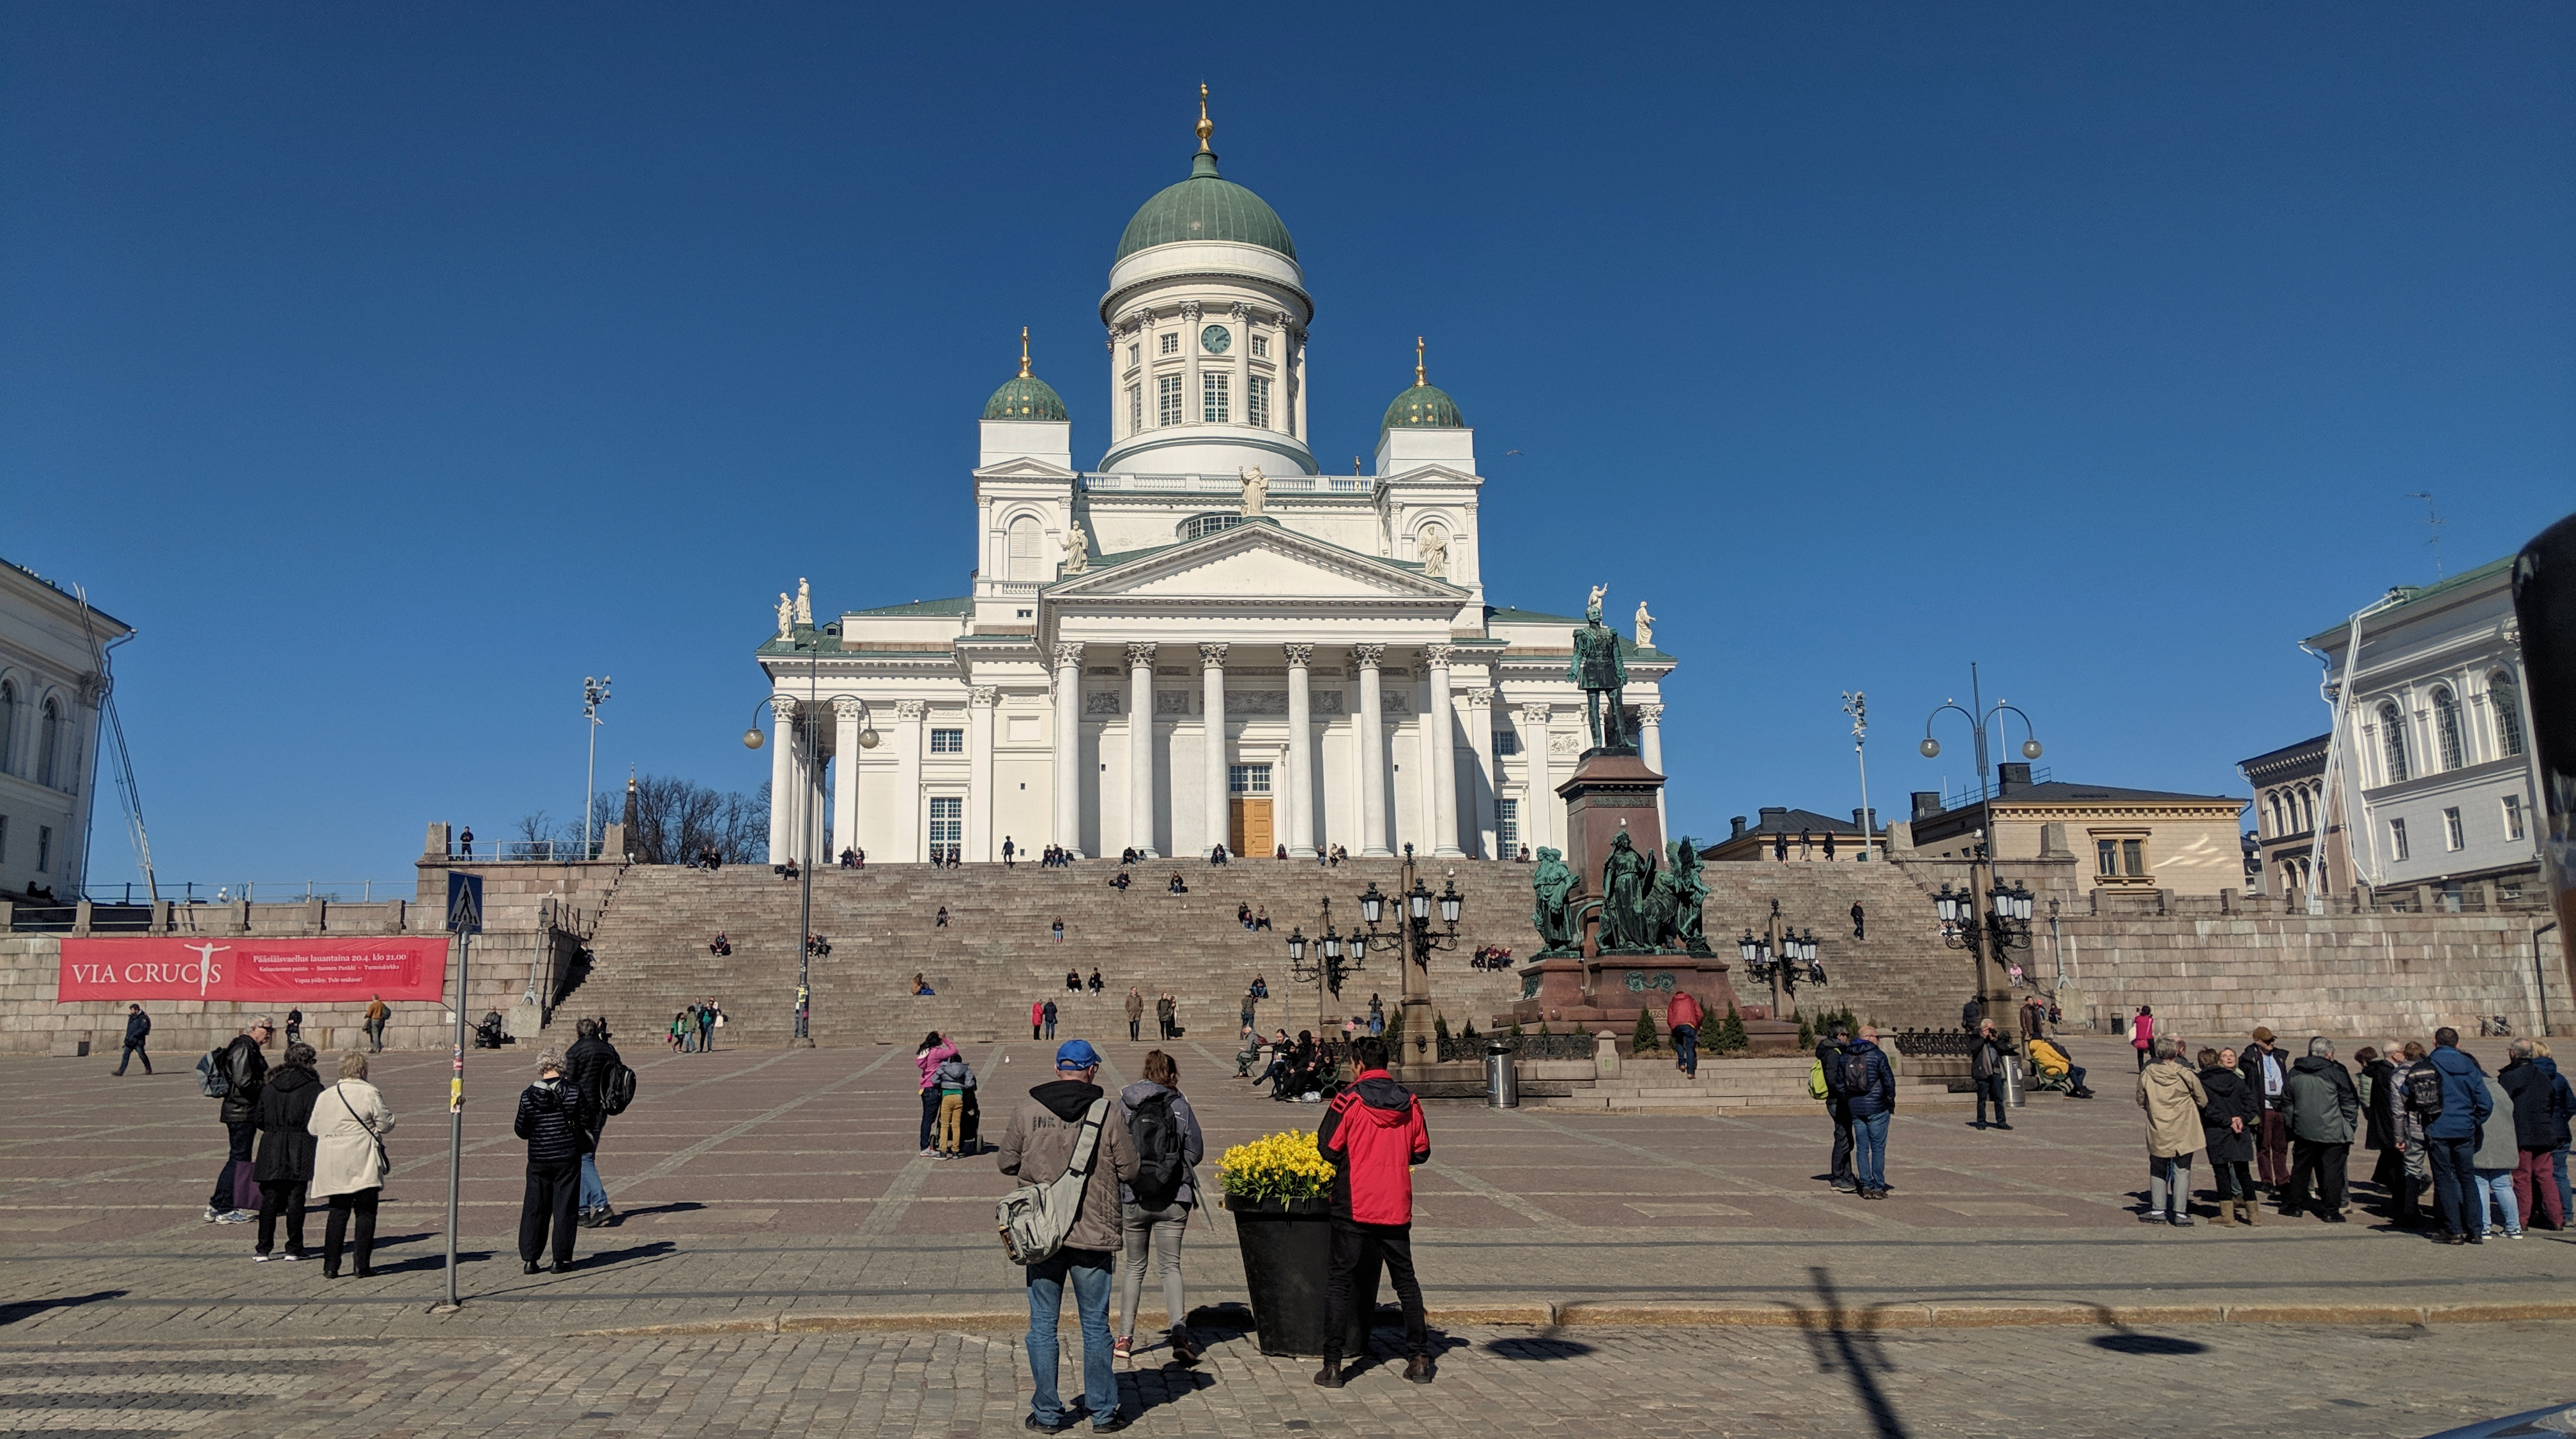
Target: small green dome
(1424, 407)
(1025, 397)
(1206, 207)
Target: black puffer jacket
(590, 1060)
(2229, 1098)
(285, 1149)
(550, 1120)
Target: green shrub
(1644, 1041)
(1731, 1038)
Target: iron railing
(1921, 1043)
(1458, 1047)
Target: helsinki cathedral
(1202, 639)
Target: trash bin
(2014, 1093)
(1502, 1081)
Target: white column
(1140, 748)
(816, 794)
(845, 781)
(782, 788)
(1068, 745)
(980, 701)
(1443, 751)
(1650, 735)
(908, 716)
(1372, 752)
(1301, 754)
(1538, 800)
(1480, 741)
(1218, 801)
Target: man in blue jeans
(1044, 1136)
(2451, 1137)
(1869, 1087)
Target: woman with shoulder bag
(1169, 1147)
(349, 1124)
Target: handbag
(1035, 1219)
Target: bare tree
(676, 819)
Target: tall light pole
(594, 693)
(802, 1004)
(2007, 919)
(1856, 704)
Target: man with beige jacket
(1038, 1147)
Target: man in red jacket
(1682, 1017)
(1373, 1136)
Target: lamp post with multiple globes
(1411, 937)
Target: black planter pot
(1287, 1260)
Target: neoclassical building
(1204, 639)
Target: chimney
(1738, 831)
(1771, 812)
(1927, 802)
(2010, 777)
(1866, 819)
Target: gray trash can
(1502, 1080)
(2014, 1091)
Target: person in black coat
(138, 1029)
(1830, 1052)
(550, 1121)
(244, 1069)
(285, 1162)
(2228, 1121)
(591, 1057)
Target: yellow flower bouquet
(1274, 1167)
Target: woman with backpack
(1154, 1211)
(934, 1052)
(349, 1124)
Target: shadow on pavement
(2126, 1342)
(1537, 1348)
(30, 1308)
(1854, 1352)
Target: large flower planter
(1287, 1259)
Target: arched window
(2446, 726)
(2392, 742)
(8, 725)
(1201, 526)
(2278, 828)
(49, 742)
(2306, 800)
(1025, 537)
(2506, 696)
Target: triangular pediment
(1023, 468)
(1256, 561)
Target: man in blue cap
(1038, 1147)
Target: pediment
(1024, 468)
(1256, 561)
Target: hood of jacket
(2316, 1064)
(2219, 1079)
(2452, 1062)
(1142, 1090)
(1066, 1099)
(1383, 1102)
(2168, 1081)
(288, 1081)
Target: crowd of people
(693, 1030)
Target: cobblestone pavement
(2065, 1383)
(761, 1184)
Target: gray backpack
(1035, 1218)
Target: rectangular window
(44, 849)
(1135, 408)
(2512, 823)
(2397, 838)
(1167, 400)
(2133, 853)
(2106, 857)
(1135, 356)
(1507, 827)
(1214, 396)
(947, 823)
(1247, 779)
(948, 741)
(1261, 347)
(1171, 345)
(1507, 741)
(1256, 402)
(2451, 830)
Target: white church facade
(1203, 640)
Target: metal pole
(456, 1117)
(805, 872)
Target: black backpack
(2424, 1091)
(1857, 1075)
(617, 1085)
(1160, 1166)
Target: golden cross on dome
(1207, 127)
(1024, 352)
(1417, 362)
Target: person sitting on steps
(942, 920)
(720, 946)
(1176, 887)
(1119, 881)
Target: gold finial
(1024, 352)
(1207, 126)
(1417, 362)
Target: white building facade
(52, 681)
(2436, 735)
(1204, 640)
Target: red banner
(247, 967)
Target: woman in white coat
(350, 1121)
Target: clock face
(1216, 339)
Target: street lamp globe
(1450, 903)
(1947, 903)
(752, 739)
(1420, 901)
(1296, 945)
(2030, 749)
(1931, 747)
(1332, 944)
(867, 739)
(1372, 904)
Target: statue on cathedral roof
(1077, 548)
(1645, 626)
(786, 616)
(804, 604)
(1435, 554)
(1256, 491)
(1592, 606)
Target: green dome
(1205, 207)
(1025, 397)
(1424, 407)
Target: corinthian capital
(1212, 656)
(1534, 714)
(1478, 699)
(1299, 656)
(1367, 657)
(1068, 655)
(1437, 656)
(984, 696)
(912, 711)
(1650, 714)
(849, 710)
(784, 707)
(1140, 654)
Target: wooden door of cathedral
(1250, 829)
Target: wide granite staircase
(996, 956)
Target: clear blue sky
(390, 368)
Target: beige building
(2123, 839)
(1795, 836)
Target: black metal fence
(1524, 1046)
(1926, 1043)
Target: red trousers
(2535, 1178)
(2272, 1147)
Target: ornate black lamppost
(1412, 938)
(1781, 955)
